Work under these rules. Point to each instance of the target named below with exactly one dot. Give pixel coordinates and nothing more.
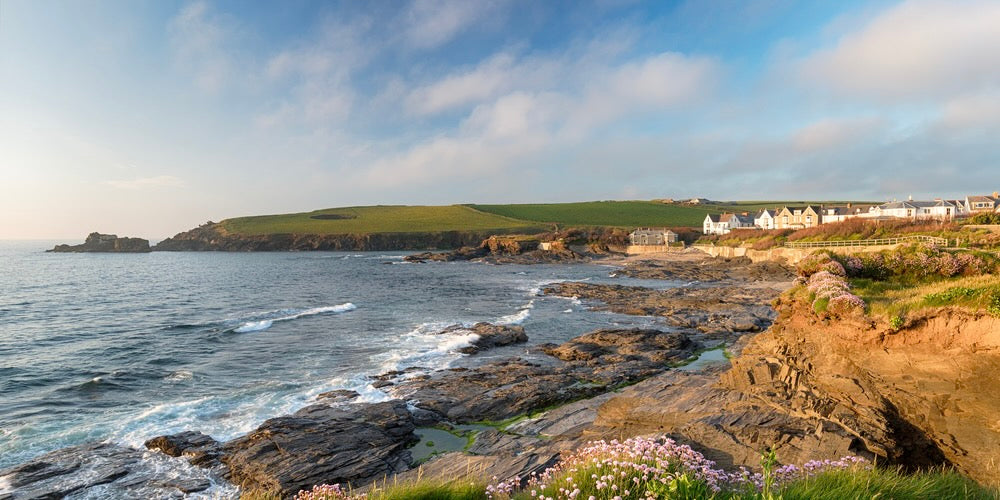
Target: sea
(126, 347)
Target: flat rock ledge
(102, 470)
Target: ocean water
(127, 347)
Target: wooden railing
(942, 242)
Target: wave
(264, 321)
(519, 317)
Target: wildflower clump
(324, 492)
(832, 293)
(650, 468)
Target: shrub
(846, 305)
(896, 322)
(985, 218)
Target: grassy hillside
(380, 219)
(604, 213)
(521, 218)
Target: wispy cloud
(159, 181)
(431, 23)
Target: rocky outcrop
(718, 310)
(107, 243)
(592, 364)
(708, 269)
(103, 470)
(322, 444)
(917, 396)
(199, 449)
(504, 250)
(488, 336)
(215, 237)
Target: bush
(985, 219)
(896, 322)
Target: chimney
(909, 198)
(848, 205)
(996, 195)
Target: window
(809, 219)
(784, 219)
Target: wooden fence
(942, 242)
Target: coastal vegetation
(893, 283)
(660, 468)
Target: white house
(765, 218)
(723, 224)
(840, 214)
(916, 210)
(652, 236)
(977, 204)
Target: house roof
(977, 198)
(915, 204)
(653, 230)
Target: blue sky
(149, 117)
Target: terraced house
(798, 217)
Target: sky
(149, 117)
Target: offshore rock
(108, 243)
(200, 449)
(489, 336)
(322, 444)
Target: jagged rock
(337, 396)
(200, 449)
(97, 242)
(322, 444)
(490, 336)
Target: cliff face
(924, 395)
(97, 242)
(213, 237)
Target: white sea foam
(568, 311)
(254, 326)
(264, 321)
(519, 317)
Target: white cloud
(482, 82)
(432, 23)
(918, 49)
(159, 181)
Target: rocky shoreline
(336, 440)
(800, 387)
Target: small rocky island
(97, 242)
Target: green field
(502, 219)
(604, 213)
(380, 219)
